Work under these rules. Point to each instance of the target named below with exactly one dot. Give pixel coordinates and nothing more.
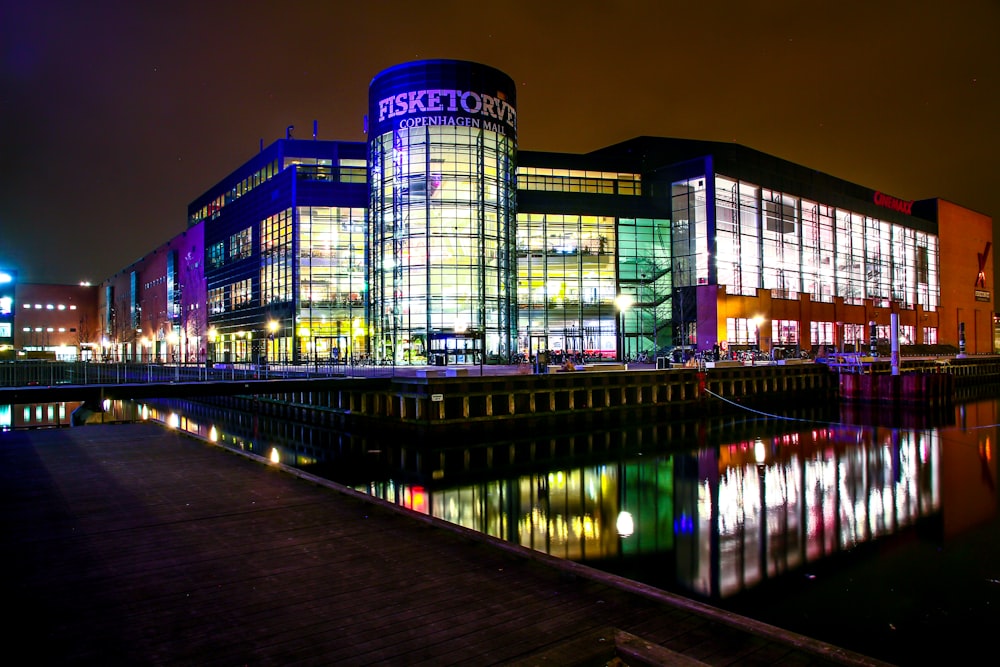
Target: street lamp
(272, 329)
(213, 336)
(623, 302)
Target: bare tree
(85, 331)
(123, 328)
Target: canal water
(878, 533)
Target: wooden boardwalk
(134, 545)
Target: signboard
(437, 398)
(982, 295)
(442, 93)
(901, 205)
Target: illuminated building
(442, 142)
(55, 321)
(285, 253)
(440, 240)
(724, 245)
(154, 309)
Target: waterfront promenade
(133, 544)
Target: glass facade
(646, 280)
(566, 284)
(442, 202)
(329, 318)
(790, 245)
(595, 286)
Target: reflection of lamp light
(759, 451)
(625, 525)
(275, 457)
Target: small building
(54, 321)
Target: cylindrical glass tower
(442, 151)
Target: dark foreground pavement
(134, 545)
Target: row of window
(48, 306)
(577, 180)
(350, 171)
(790, 245)
(746, 331)
(214, 207)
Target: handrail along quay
(452, 399)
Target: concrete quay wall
(931, 383)
(440, 400)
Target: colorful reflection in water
(732, 515)
(729, 511)
(36, 415)
(739, 512)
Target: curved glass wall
(442, 220)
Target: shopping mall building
(439, 239)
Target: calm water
(882, 540)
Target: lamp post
(757, 321)
(680, 308)
(272, 330)
(623, 302)
(213, 336)
(173, 340)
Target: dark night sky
(115, 115)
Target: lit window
(50, 330)
(49, 306)
(62, 329)
(62, 307)
(26, 329)
(38, 306)
(72, 307)
(27, 305)
(38, 329)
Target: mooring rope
(818, 421)
(774, 416)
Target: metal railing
(51, 373)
